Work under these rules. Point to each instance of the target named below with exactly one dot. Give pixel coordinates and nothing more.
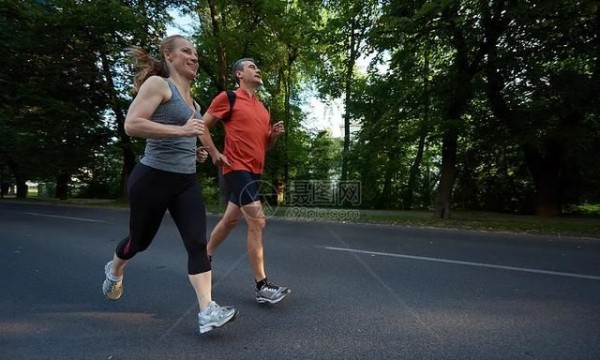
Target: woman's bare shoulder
(156, 85)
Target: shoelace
(223, 311)
(115, 285)
(115, 282)
(217, 310)
(112, 278)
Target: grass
(580, 226)
(560, 226)
(588, 209)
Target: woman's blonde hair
(147, 65)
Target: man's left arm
(276, 130)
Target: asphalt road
(358, 292)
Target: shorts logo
(305, 199)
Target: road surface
(358, 292)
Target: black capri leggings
(151, 192)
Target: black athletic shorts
(243, 187)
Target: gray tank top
(176, 155)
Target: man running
(248, 136)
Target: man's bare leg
(232, 216)
(266, 291)
(255, 217)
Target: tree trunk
(386, 192)
(288, 116)
(20, 180)
(423, 131)
(22, 189)
(466, 69)
(62, 187)
(221, 51)
(448, 174)
(456, 108)
(414, 170)
(3, 183)
(128, 165)
(216, 18)
(125, 140)
(353, 54)
(545, 171)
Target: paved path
(359, 292)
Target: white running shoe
(112, 286)
(214, 316)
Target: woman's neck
(182, 83)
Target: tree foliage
(486, 105)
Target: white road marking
(468, 263)
(66, 217)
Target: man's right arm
(217, 157)
(206, 138)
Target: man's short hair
(238, 66)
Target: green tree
(57, 101)
(346, 27)
(544, 83)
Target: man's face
(250, 73)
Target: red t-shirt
(246, 131)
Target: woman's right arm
(151, 94)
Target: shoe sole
(112, 298)
(206, 328)
(263, 300)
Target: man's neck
(249, 89)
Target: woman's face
(184, 58)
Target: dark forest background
(467, 104)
